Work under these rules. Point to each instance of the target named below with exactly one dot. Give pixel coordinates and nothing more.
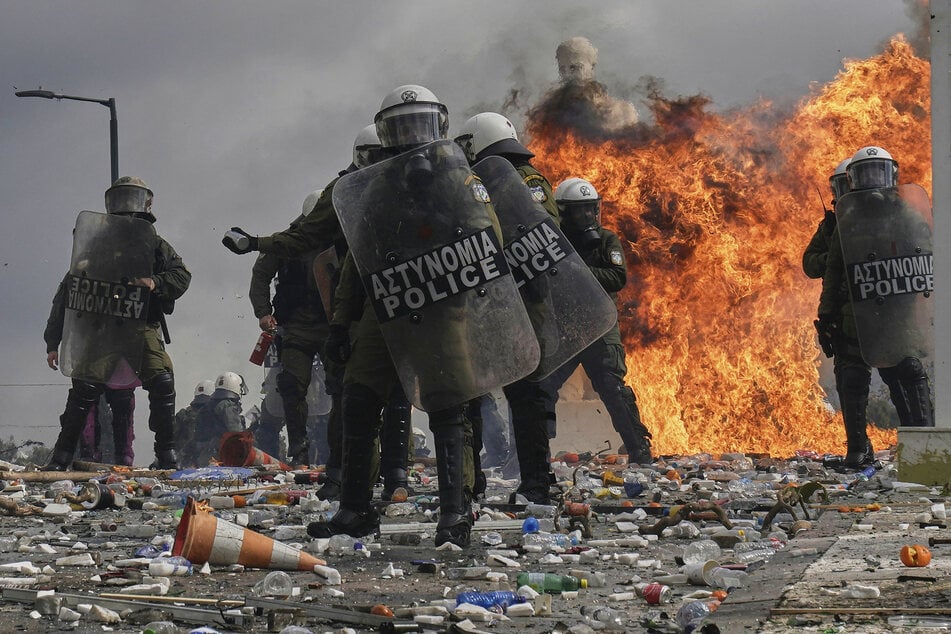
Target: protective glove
(827, 327)
(239, 241)
(337, 346)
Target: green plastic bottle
(550, 583)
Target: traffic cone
(201, 537)
(237, 450)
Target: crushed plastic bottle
(691, 614)
(277, 584)
(160, 627)
(602, 618)
(594, 579)
(344, 544)
(548, 541)
(170, 566)
(748, 552)
(499, 600)
(700, 551)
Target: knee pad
(160, 386)
(854, 380)
(911, 369)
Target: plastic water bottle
(343, 544)
(700, 551)
(160, 627)
(499, 600)
(594, 579)
(549, 540)
(602, 618)
(748, 552)
(550, 583)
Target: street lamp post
(113, 122)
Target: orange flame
(716, 210)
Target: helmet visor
(581, 215)
(873, 173)
(410, 125)
(840, 185)
(128, 199)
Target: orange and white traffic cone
(237, 450)
(201, 537)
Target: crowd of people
(402, 284)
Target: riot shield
(568, 307)
(887, 249)
(424, 241)
(105, 321)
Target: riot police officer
(297, 310)
(130, 196)
(222, 414)
(814, 266)
(187, 423)
(410, 117)
(872, 174)
(603, 361)
(492, 134)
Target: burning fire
(716, 210)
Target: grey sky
(234, 110)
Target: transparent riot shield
(105, 321)
(887, 249)
(422, 233)
(568, 307)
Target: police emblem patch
(617, 258)
(538, 194)
(480, 193)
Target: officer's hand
(52, 360)
(267, 323)
(239, 241)
(827, 325)
(337, 346)
(147, 282)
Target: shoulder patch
(617, 258)
(479, 192)
(538, 193)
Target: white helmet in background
(130, 196)
(310, 202)
(367, 148)
(839, 181)
(490, 134)
(205, 388)
(579, 205)
(872, 167)
(231, 382)
(410, 116)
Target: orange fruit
(915, 556)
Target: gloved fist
(337, 346)
(826, 326)
(239, 241)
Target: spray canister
(261, 348)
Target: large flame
(716, 210)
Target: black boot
(59, 461)
(531, 446)
(161, 389)
(330, 489)
(362, 409)
(455, 513)
(82, 396)
(394, 445)
(355, 517)
(122, 403)
(853, 397)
